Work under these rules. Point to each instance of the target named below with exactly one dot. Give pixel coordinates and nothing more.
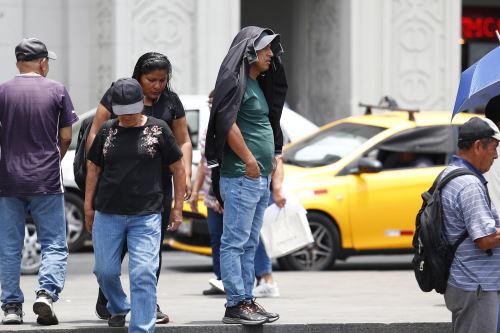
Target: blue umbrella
(479, 83)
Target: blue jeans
(142, 234)
(50, 221)
(245, 200)
(263, 264)
(215, 224)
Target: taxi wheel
(322, 253)
(32, 251)
(75, 221)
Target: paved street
(375, 289)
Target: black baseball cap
(127, 97)
(478, 128)
(31, 48)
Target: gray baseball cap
(478, 128)
(264, 39)
(127, 97)
(31, 48)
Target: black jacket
(230, 88)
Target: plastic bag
(285, 230)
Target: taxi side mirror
(368, 165)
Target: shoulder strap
(442, 183)
(459, 241)
(456, 173)
(109, 123)
(453, 174)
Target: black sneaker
(44, 309)
(161, 318)
(116, 321)
(257, 308)
(101, 311)
(243, 314)
(13, 314)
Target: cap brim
(51, 55)
(494, 127)
(264, 41)
(121, 110)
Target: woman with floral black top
(124, 198)
(154, 72)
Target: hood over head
(230, 88)
(249, 35)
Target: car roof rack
(388, 103)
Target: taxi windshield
(330, 145)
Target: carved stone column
(406, 49)
(179, 29)
(347, 51)
(103, 52)
(11, 13)
(319, 71)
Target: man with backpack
(472, 293)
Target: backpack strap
(446, 179)
(452, 174)
(109, 123)
(457, 173)
(459, 241)
(440, 181)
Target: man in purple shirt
(36, 115)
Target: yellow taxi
(360, 180)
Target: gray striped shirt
(466, 206)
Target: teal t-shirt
(253, 122)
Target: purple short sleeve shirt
(32, 110)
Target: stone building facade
(337, 52)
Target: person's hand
(252, 169)
(218, 208)
(89, 219)
(187, 193)
(279, 199)
(193, 202)
(175, 219)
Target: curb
(285, 328)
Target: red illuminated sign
(480, 23)
(480, 27)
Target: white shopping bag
(285, 230)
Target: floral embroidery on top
(108, 143)
(150, 139)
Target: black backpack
(80, 161)
(433, 255)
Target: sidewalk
(335, 301)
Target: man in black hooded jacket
(243, 146)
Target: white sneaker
(13, 315)
(217, 284)
(44, 309)
(265, 289)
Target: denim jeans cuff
(259, 274)
(5, 305)
(231, 303)
(52, 295)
